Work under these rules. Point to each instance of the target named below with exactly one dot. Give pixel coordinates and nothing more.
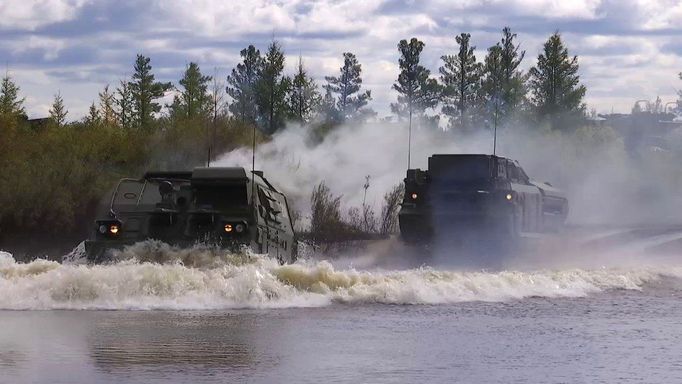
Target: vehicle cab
(476, 191)
(220, 206)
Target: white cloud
(660, 14)
(621, 60)
(23, 14)
(581, 9)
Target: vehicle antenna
(253, 165)
(495, 131)
(409, 137)
(210, 143)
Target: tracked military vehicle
(218, 206)
(484, 194)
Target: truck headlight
(109, 227)
(239, 228)
(228, 228)
(509, 197)
(414, 196)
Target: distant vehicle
(490, 194)
(221, 206)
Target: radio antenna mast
(253, 166)
(210, 143)
(409, 137)
(496, 116)
(495, 131)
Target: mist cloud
(605, 184)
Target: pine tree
(513, 80)
(417, 92)
(272, 89)
(555, 83)
(106, 106)
(144, 91)
(241, 85)
(124, 104)
(93, 117)
(194, 100)
(327, 109)
(304, 98)
(11, 106)
(216, 106)
(460, 75)
(58, 111)
(492, 85)
(217, 96)
(350, 100)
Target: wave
(152, 276)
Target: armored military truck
(221, 206)
(489, 194)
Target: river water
(179, 316)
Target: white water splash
(202, 278)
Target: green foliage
(327, 109)
(124, 103)
(58, 174)
(194, 100)
(144, 91)
(492, 83)
(417, 92)
(271, 90)
(350, 101)
(184, 143)
(106, 106)
(93, 117)
(555, 85)
(241, 85)
(11, 106)
(58, 111)
(304, 99)
(460, 75)
(513, 79)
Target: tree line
(468, 93)
(57, 170)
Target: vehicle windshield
(221, 197)
(134, 195)
(459, 168)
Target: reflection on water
(173, 341)
(10, 357)
(632, 335)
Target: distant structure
(642, 128)
(38, 123)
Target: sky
(628, 49)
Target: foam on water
(155, 276)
